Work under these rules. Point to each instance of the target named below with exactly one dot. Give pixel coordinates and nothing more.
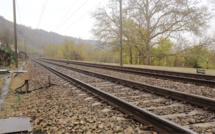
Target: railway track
(66, 108)
(176, 94)
(198, 79)
(174, 85)
(144, 106)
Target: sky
(65, 17)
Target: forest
(159, 33)
(31, 40)
(195, 57)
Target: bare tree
(6, 37)
(153, 19)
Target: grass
(2, 106)
(19, 97)
(11, 103)
(1, 82)
(12, 100)
(13, 66)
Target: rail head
(198, 100)
(146, 69)
(207, 80)
(160, 124)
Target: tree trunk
(130, 54)
(147, 56)
(139, 58)
(176, 58)
(147, 60)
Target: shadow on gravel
(19, 89)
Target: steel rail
(205, 102)
(160, 124)
(198, 79)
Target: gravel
(179, 86)
(148, 101)
(64, 108)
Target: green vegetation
(7, 51)
(31, 40)
(1, 81)
(72, 51)
(6, 55)
(19, 98)
(2, 107)
(195, 57)
(154, 33)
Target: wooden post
(26, 86)
(48, 78)
(15, 34)
(26, 77)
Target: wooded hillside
(35, 39)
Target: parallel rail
(198, 79)
(160, 124)
(197, 100)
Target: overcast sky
(66, 17)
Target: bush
(7, 51)
(6, 55)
